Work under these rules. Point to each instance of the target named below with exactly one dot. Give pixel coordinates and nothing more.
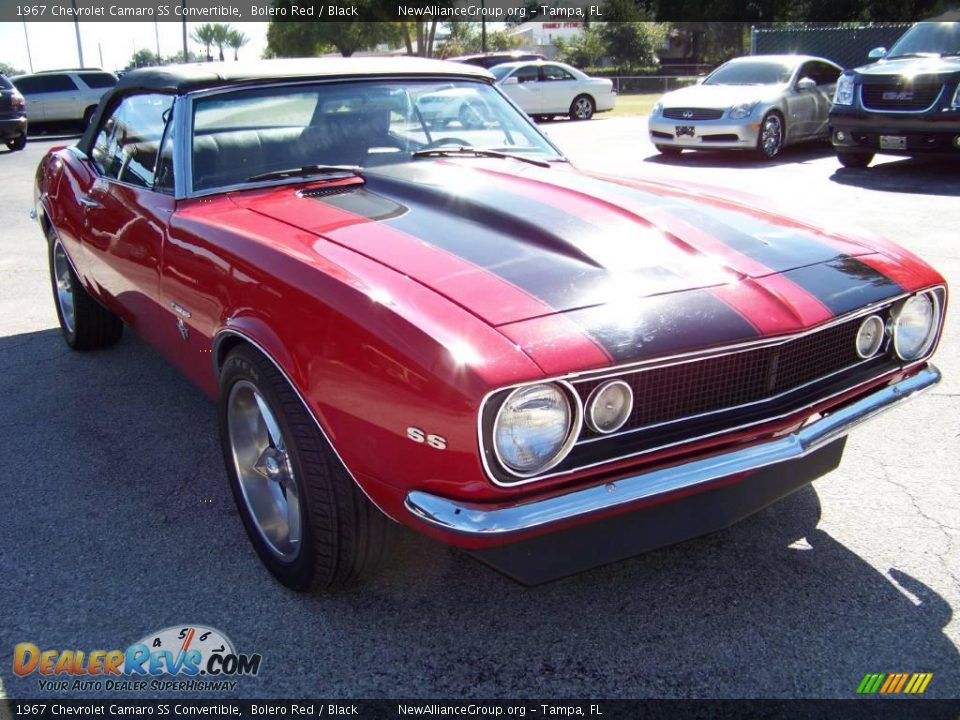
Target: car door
(558, 88)
(523, 87)
(61, 98)
(126, 214)
(825, 75)
(801, 105)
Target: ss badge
(437, 442)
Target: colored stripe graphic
(894, 683)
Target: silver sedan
(760, 103)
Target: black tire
(582, 108)
(18, 143)
(854, 159)
(669, 150)
(343, 535)
(771, 150)
(93, 326)
(88, 117)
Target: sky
(54, 44)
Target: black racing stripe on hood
(664, 325)
(539, 248)
(845, 284)
(777, 247)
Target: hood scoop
(327, 191)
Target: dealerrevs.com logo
(185, 657)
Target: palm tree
(221, 33)
(204, 35)
(236, 40)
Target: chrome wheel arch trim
(218, 339)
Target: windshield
(750, 73)
(239, 135)
(940, 38)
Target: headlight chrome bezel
(590, 406)
(574, 428)
(847, 86)
(933, 332)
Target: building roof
(195, 76)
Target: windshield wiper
(913, 54)
(307, 170)
(471, 151)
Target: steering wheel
(439, 142)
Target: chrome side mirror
(806, 84)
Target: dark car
(489, 59)
(13, 116)
(907, 103)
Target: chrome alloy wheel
(583, 108)
(64, 279)
(264, 470)
(771, 136)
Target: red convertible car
(454, 329)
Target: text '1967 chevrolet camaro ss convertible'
(454, 329)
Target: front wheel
(310, 524)
(85, 323)
(88, 117)
(854, 159)
(772, 133)
(582, 108)
(18, 143)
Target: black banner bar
(760, 12)
(875, 708)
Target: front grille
(728, 137)
(906, 97)
(675, 392)
(692, 114)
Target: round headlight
(609, 406)
(915, 326)
(870, 337)
(535, 429)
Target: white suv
(57, 96)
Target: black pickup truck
(906, 103)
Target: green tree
(204, 35)
(584, 51)
(143, 58)
(221, 34)
(9, 70)
(501, 40)
(630, 39)
(236, 40)
(292, 39)
(462, 38)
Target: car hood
(911, 67)
(720, 96)
(538, 251)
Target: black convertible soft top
(180, 79)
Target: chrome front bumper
(503, 520)
(746, 135)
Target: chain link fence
(650, 84)
(846, 46)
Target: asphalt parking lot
(116, 518)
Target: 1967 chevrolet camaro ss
(453, 328)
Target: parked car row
(906, 103)
(50, 98)
(442, 323)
